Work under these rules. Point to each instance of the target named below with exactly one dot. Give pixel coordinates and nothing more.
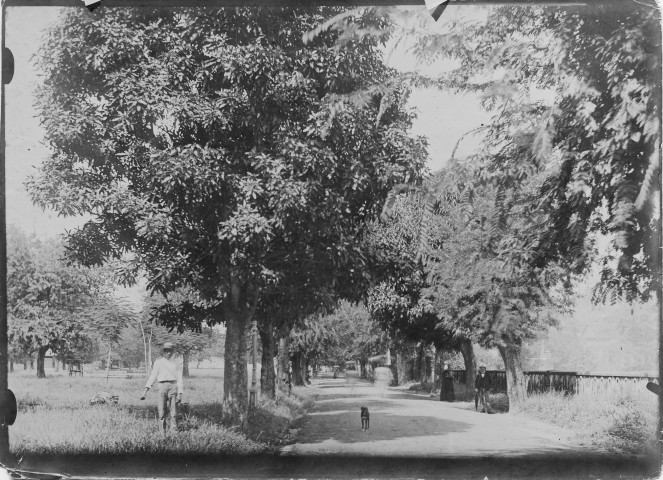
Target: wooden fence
(603, 384)
(615, 385)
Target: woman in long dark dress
(447, 390)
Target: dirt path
(408, 425)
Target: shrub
(632, 429)
(622, 424)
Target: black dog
(365, 418)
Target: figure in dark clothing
(447, 390)
(482, 387)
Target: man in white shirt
(168, 374)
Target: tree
(309, 341)
(349, 335)
(481, 278)
(107, 319)
(364, 336)
(47, 297)
(589, 155)
(595, 148)
(473, 281)
(210, 155)
(576, 97)
(131, 349)
(401, 304)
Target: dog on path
(365, 418)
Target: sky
(442, 118)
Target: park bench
(74, 368)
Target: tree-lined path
(408, 425)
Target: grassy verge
(55, 418)
(622, 425)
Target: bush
(632, 429)
(625, 425)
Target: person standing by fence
(481, 387)
(168, 374)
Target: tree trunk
(282, 363)
(235, 359)
(11, 365)
(469, 359)
(299, 368)
(397, 368)
(421, 362)
(147, 363)
(267, 374)
(516, 382)
(108, 362)
(185, 364)
(41, 359)
(435, 373)
(238, 310)
(362, 367)
(413, 364)
(25, 365)
(32, 363)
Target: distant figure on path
(447, 388)
(168, 374)
(481, 387)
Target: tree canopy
(575, 94)
(202, 143)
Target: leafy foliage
(348, 333)
(208, 151)
(575, 95)
(48, 298)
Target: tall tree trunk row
(283, 364)
(299, 368)
(41, 359)
(185, 364)
(235, 373)
(516, 382)
(267, 374)
(467, 351)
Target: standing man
(481, 387)
(168, 374)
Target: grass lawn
(55, 417)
